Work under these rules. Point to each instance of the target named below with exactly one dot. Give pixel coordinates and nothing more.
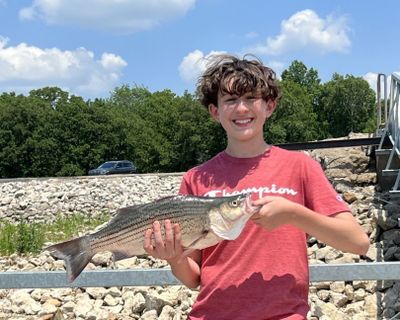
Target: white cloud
(25, 67)
(120, 16)
(194, 64)
(306, 30)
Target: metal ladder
(388, 128)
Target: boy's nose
(241, 105)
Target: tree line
(52, 133)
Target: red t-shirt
(261, 274)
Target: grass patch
(30, 237)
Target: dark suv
(111, 167)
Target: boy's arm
(185, 268)
(340, 231)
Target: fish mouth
(248, 206)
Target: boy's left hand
(274, 212)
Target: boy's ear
(271, 106)
(213, 111)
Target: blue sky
(90, 47)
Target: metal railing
(163, 276)
(391, 131)
(393, 121)
(382, 102)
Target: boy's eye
(231, 99)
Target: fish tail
(76, 254)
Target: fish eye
(234, 203)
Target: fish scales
(136, 221)
(142, 216)
(203, 222)
(132, 232)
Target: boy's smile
(243, 122)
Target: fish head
(231, 207)
(230, 214)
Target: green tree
(19, 119)
(147, 121)
(347, 105)
(88, 135)
(51, 95)
(165, 132)
(52, 133)
(127, 97)
(294, 119)
(299, 73)
(198, 137)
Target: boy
(263, 274)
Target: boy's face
(242, 117)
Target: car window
(107, 165)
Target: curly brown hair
(227, 74)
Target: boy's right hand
(170, 248)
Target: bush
(25, 238)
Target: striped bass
(204, 222)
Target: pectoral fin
(126, 251)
